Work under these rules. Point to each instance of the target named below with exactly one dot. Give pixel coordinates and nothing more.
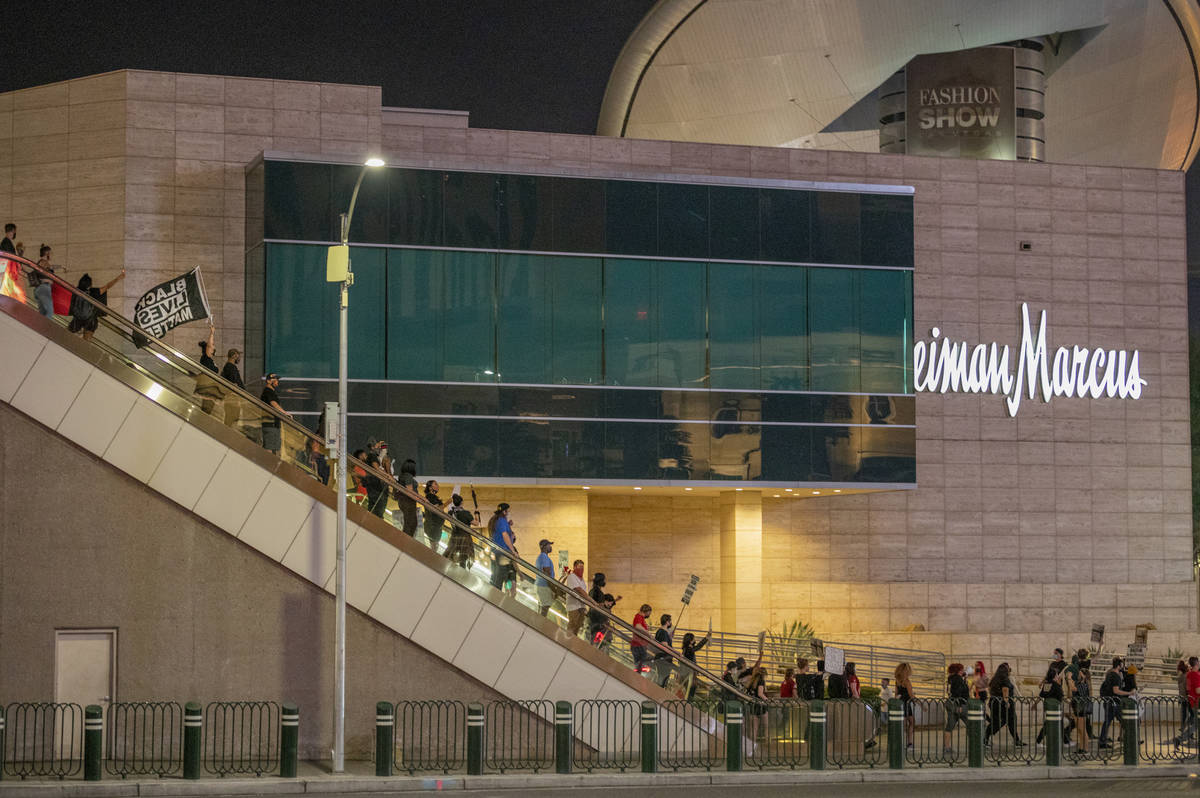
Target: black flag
(167, 305)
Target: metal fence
(1167, 729)
(144, 739)
(1010, 729)
(519, 735)
(775, 733)
(241, 737)
(610, 735)
(430, 735)
(690, 735)
(854, 733)
(939, 732)
(43, 739)
(1090, 713)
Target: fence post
(649, 737)
(475, 739)
(816, 735)
(1129, 731)
(564, 720)
(895, 734)
(289, 739)
(975, 733)
(93, 741)
(193, 720)
(1052, 732)
(1, 743)
(385, 725)
(733, 735)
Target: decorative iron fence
(609, 733)
(43, 739)
(144, 738)
(855, 733)
(775, 733)
(519, 735)
(690, 736)
(430, 735)
(241, 737)
(1010, 728)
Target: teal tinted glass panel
(370, 221)
(523, 324)
(833, 322)
(734, 223)
(887, 230)
(469, 204)
(732, 326)
(836, 224)
(526, 211)
(683, 220)
(575, 286)
(629, 344)
(679, 291)
(783, 327)
(631, 218)
(468, 317)
(415, 317)
(885, 298)
(578, 215)
(415, 206)
(296, 204)
(302, 321)
(786, 225)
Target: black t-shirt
(231, 373)
(268, 396)
(959, 687)
(208, 363)
(662, 637)
(1111, 679)
(6, 245)
(838, 686)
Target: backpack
(808, 687)
(81, 309)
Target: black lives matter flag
(167, 305)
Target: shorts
(640, 654)
(503, 572)
(545, 595)
(955, 712)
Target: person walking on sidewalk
(1111, 690)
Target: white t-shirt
(574, 583)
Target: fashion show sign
(962, 104)
(946, 366)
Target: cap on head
(544, 542)
(233, 352)
(502, 507)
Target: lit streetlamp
(337, 270)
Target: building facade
(1010, 532)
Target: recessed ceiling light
(637, 488)
(788, 490)
(687, 488)
(776, 495)
(739, 489)
(816, 493)
(587, 487)
(837, 490)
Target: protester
(8, 243)
(1192, 680)
(637, 644)
(1075, 686)
(404, 498)
(753, 715)
(1187, 717)
(661, 663)
(271, 428)
(690, 647)
(313, 458)
(433, 521)
(231, 373)
(500, 530)
(208, 389)
(85, 315)
(576, 609)
(545, 576)
(956, 704)
(1110, 691)
(376, 490)
(886, 694)
(1002, 692)
(43, 286)
(1052, 687)
(600, 629)
(906, 693)
(461, 549)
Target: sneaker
(1018, 744)
(869, 744)
(1104, 744)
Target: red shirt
(639, 622)
(787, 689)
(1193, 687)
(855, 689)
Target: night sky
(516, 64)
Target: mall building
(940, 402)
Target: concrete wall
(146, 169)
(199, 615)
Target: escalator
(131, 400)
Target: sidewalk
(315, 778)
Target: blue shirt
(498, 536)
(543, 562)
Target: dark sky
(517, 64)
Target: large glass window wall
(463, 316)
(479, 210)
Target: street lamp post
(337, 269)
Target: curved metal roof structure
(1122, 84)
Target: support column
(741, 562)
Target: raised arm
(116, 280)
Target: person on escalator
(271, 428)
(376, 491)
(404, 498)
(85, 315)
(433, 521)
(504, 571)
(208, 389)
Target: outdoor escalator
(197, 439)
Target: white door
(85, 669)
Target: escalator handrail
(625, 629)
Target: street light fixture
(337, 270)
